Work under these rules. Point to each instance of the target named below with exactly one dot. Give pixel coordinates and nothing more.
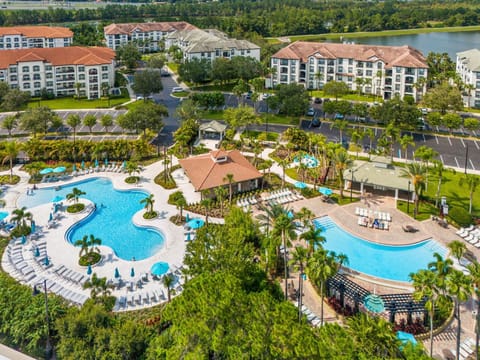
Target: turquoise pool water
(382, 261)
(112, 220)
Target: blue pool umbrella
(117, 273)
(189, 237)
(187, 218)
(300, 185)
(374, 303)
(89, 270)
(96, 162)
(405, 337)
(159, 268)
(24, 239)
(37, 251)
(132, 272)
(46, 171)
(46, 262)
(59, 169)
(196, 223)
(124, 165)
(106, 161)
(74, 168)
(57, 199)
(50, 218)
(325, 191)
(82, 165)
(33, 226)
(290, 214)
(3, 215)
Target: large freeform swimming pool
(382, 261)
(112, 220)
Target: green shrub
(5, 179)
(459, 215)
(169, 183)
(132, 179)
(150, 215)
(89, 259)
(75, 208)
(21, 230)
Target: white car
(177, 89)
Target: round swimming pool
(382, 261)
(112, 220)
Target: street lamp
(408, 197)
(351, 186)
(48, 345)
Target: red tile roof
(37, 31)
(404, 56)
(73, 55)
(205, 173)
(128, 28)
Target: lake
(450, 42)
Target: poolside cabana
(212, 130)
(378, 175)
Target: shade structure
(189, 237)
(290, 214)
(195, 223)
(37, 252)
(46, 262)
(159, 268)
(187, 218)
(96, 162)
(405, 337)
(82, 165)
(59, 169)
(57, 199)
(325, 191)
(89, 270)
(24, 239)
(3, 215)
(300, 185)
(132, 272)
(374, 303)
(117, 273)
(74, 167)
(46, 171)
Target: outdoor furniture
(409, 229)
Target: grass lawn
(213, 115)
(173, 66)
(214, 87)
(346, 199)
(425, 209)
(71, 103)
(181, 94)
(251, 134)
(272, 118)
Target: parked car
(164, 73)
(315, 122)
(265, 96)
(424, 111)
(339, 116)
(310, 112)
(177, 89)
(317, 100)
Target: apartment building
(210, 44)
(149, 36)
(468, 68)
(86, 71)
(24, 37)
(384, 71)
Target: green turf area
(425, 209)
(181, 94)
(214, 87)
(251, 134)
(71, 103)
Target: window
(398, 69)
(48, 75)
(25, 69)
(340, 61)
(104, 76)
(340, 69)
(232, 52)
(48, 67)
(13, 70)
(104, 68)
(36, 76)
(274, 60)
(36, 68)
(350, 69)
(350, 61)
(340, 78)
(217, 53)
(368, 73)
(369, 65)
(321, 61)
(311, 60)
(26, 85)
(81, 76)
(283, 78)
(397, 78)
(26, 77)
(81, 68)
(49, 83)
(13, 78)
(379, 65)
(397, 87)
(350, 79)
(360, 64)
(37, 85)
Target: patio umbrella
(187, 218)
(57, 199)
(37, 252)
(89, 270)
(159, 268)
(117, 273)
(124, 165)
(132, 272)
(46, 171)
(189, 237)
(83, 165)
(325, 191)
(74, 168)
(405, 337)
(32, 226)
(374, 303)
(290, 214)
(106, 161)
(3, 215)
(46, 262)
(59, 169)
(24, 239)
(96, 162)
(196, 223)
(300, 185)
(50, 217)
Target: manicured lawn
(213, 87)
(280, 119)
(255, 134)
(71, 103)
(425, 209)
(173, 67)
(181, 94)
(213, 115)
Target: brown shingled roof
(205, 173)
(128, 28)
(73, 55)
(37, 31)
(405, 56)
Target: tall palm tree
(21, 215)
(313, 238)
(341, 125)
(471, 181)
(284, 164)
(74, 120)
(230, 180)
(441, 268)
(342, 162)
(439, 169)
(180, 203)
(417, 174)
(392, 132)
(93, 242)
(285, 228)
(459, 287)
(370, 133)
(305, 215)
(84, 245)
(207, 204)
(98, 286)
(75, 195)
(457, 248)
(405, 142)
(474, 269)
(167, 281)
(299, 260)
(12, 149)
(220, 194)
(148, 201)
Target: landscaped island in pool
(382, 261)
(112, 220)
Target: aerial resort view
(177, 185)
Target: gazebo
(212, 130)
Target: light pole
(351, 186)
(48, 345)
(408, 197)
(466, 158)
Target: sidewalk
(7, 353)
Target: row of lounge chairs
(374, 224)
(70, 275)
(384, 216)
(247, 201)
(311, 316)
(470, 234)
(466, 349)
(282, 193)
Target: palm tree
(75, 195)
(207, 204)
(457, 248)
(417, 174)
(180, 203)
(9, 123)
(220, 194)
(98, 286)
(392, 133)
(74, 120)
(441, 268)
(472, 182)
(439, 170)
(20, 216)
(167, 281)
(229, 178)
(474, 269)
(148, 201)
(132, 168)
(299, 259)
(405, 142)
(341, 125)
(342, 162)
(313, 238)
(284, 164)
(11, 152)
(370, 133)
(93, 242)
(459, 286)
(84, 245)
(305, 215)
